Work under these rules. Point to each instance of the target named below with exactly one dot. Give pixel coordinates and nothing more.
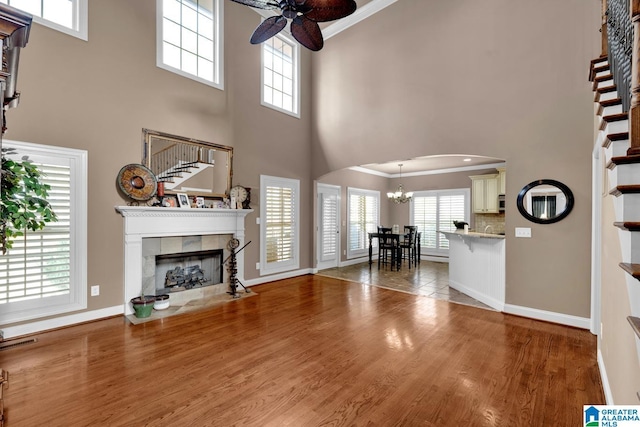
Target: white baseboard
(483, 298)
(435, 258)
(355, 261)
(548, 316)
(605, 380)
(274, 277)
(61, 322)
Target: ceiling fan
(305, 15)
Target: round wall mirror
(545, 201)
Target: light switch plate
(523, 232)
(95, 290)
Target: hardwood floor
(308, 351)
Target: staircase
(623, 177)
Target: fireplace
(188, 270)
(153, 231)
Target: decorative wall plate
(137, 182)
(233, 243)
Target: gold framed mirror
(186, 165)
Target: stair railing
(634, 111)
(619, 35)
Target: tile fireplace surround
(142, 222)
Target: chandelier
(400, 196)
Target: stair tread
(635, 325)
(604, 78)
(620, 136)
(626, 160)
(616, 117)
(599, 79)
(632, 269)
(625, 189)
(611, 102)
(607, 89)
(628, 225)
(601, 58)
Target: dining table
(396, 237)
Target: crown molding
(360, 14)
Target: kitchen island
(477, 266)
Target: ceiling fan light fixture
(304, 16)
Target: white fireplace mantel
(145, 221)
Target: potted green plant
(23, 202)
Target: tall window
(45, 272)
(364, 216)
(189, 39)
(279, 227)
(434, 211)
(280, 74)
(68, 16)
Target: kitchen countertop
(473, 234)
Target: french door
(328, 234)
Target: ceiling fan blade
(329, 10)
(268, 28)
(307, 32)
(260, 4)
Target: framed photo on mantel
(183, 200)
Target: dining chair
(386, 246)
(408, 244)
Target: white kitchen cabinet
(502, 180)
(485, 193)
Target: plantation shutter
(280, 224)
(434, 211)
(329, 227)
(39, 264)
(363, 219)
(425, 217)
(450, 208)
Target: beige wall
(98, 95)
(499, 78)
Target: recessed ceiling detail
(431, 165)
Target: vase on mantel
(143, 305)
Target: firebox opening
(188, 270)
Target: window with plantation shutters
(279, 225)
(44, 273)
(433, 211)
(364, 216)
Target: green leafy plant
(23, 203)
